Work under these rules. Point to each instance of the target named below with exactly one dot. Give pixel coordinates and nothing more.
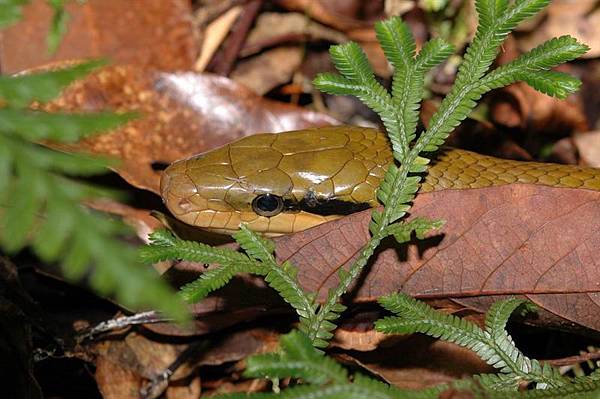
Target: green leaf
(58, 27)
(36, 125)
(11, 11)
(298, 359)
(555, 84)
(21, 90)
(397, 42)
(433, 53)
(351, 61)
(255, 246)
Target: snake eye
(267, 205)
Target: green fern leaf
(555, 84)
(21, 90)
(299, 360)
(433, 53)
(397, 42)
(11, 11)
(351, 61)
(335, 84)
(254, 245)
(35, 125)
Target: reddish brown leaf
(534, 241)
(181, 114)
(154, 33)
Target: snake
(282, 183)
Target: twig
(223, 61)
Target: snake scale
(287, 182)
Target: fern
(40, 201)
(492, 344)
(11, 11)
(400, 183)
(323, 378)
(258, 260)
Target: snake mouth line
(331, 207)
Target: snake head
(277, 183)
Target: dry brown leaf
(115, 381)
(181, 114)
(272, 28)
(192, 390)
(154, 33)
(580, 19)
(527, 240)
(264, 72)
(136, 359)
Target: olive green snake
(287, 182)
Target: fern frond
(351, 61)
(433, 53)
(282, 279)
(43, 209)
(11, 11)
(532, 66)
(493, 344)
(519, 12)
(298, 359)
(254, 245)
(335, 84)
(397, 42)
(21, 90)
(260, 261)
(41, 202)
(489, 10)
(164, 245)
(358, 80)
(416, 316)
(555, 84)
(35, 125)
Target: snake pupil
(267, 205)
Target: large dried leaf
(151, 33)
(527, 240)
(181, 114)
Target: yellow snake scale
(311, 174)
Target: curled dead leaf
(181, 114)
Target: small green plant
(40, 198)
(399, 111)
(11, 11)
(326, 379)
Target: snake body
(300, 179)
